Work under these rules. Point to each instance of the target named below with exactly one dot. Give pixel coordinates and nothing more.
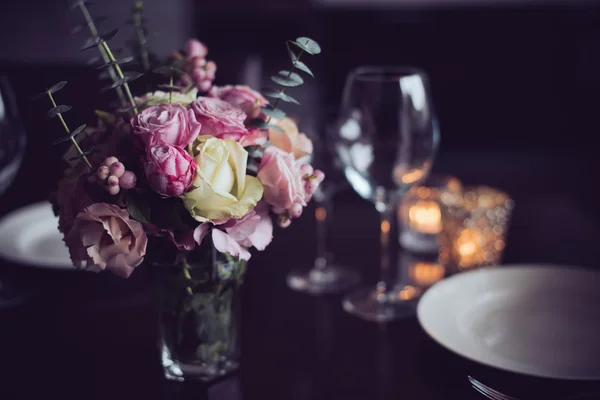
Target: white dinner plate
(532, 319)
(29, 236)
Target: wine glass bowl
(386, 139)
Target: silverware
(488, 392)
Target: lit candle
(426, 274)
(469, 248)
(425, 216)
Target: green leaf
(273, 112)
(278, 94)
(132, 76)
(57, 86)
(170, 87)
(83, 154)
(73, 133)
(83, 25)
(109, 35)
(287, 78)
(120, 82)
(302, 67)
(91, 43)
(308, 45)
(53, 112)
(138, 208)
(117, 61)
(276, 127)
(291, 52)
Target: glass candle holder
(475, 225)
(420, 216)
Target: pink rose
(281, 179)
(195, 48)
(217, 118)
(167, 123)
(244, 98)
(105, 238)
(169, 169)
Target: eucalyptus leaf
(302, 67)
(83, 154)
(53, 112)
(308, 45)
(57, 86)
(275, 127)
(170, 87)
(73, 133)
(83, 25)
(273, 112)
(93, 60)
(163, 70)
(119, 61)
(109, 35)
(138, 208)
(287, 78)
(278, 94)
(90, 43)
(132, 76)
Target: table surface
(92, 336)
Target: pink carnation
(236, 236)
(104, 237)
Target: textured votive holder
(420, 216)
(475, 225)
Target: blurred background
(514, 82)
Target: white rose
(221, 188)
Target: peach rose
(291, 140)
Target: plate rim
(30, 262)
(500, 269)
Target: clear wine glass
(386, 140)
(12, 148)
(325, 276)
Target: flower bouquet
(186, 179)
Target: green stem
(64, 124)
(121, 76)
(186, 273)
(137, 19)
(90, 23)
(171, 90)
(283, 88)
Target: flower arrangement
(189, 162)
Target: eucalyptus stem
(186, 273)
(282, 90)
(64, 124)
(121, 76)
(92, 26)
(137, 20)
(171, 91)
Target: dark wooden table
(92, 336)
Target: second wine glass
(386, 140)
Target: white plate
(29, 236)
(536, 320)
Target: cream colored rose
(221, 188)
(159, 97)
(290, 141)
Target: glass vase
(199, 296)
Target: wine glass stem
(384, 240)
(322, 212)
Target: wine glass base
(331, 279)
(368, 304)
